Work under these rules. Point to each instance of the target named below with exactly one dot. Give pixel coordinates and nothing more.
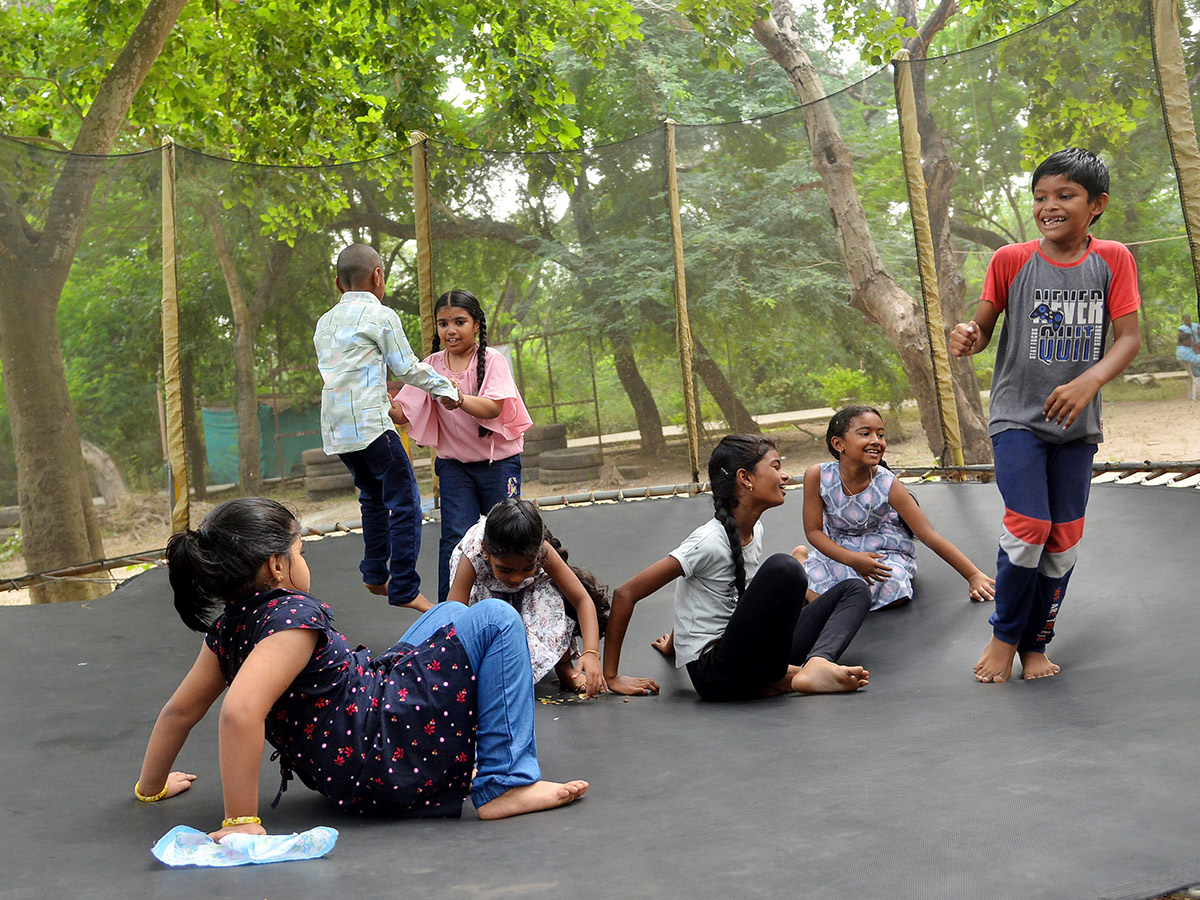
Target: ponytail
(221, 561)
(734, 453)
(467, 301)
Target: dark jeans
(468, 491)
(772, 627)
(391, 516)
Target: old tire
(553, 431)
(316, 455)
(571, 458)
(341, 482)
(567, 476)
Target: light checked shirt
(357, 342)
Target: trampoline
(925, 785)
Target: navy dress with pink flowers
(391, 736)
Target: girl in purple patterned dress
(861, 521)
(395, 735)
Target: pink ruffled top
(453, 432)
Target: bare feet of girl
(665, 645)
(996, 663)
(820, 676)
(530, 798)
(1037, 665)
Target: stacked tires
(538, 440)
(325, 476)
(568, 465)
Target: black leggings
(772, 627)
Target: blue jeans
(493, 635)
(391, 516)
(469, 490)
(1045, 489)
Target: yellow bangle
(137, 792)
(241, 820)
(597, 652)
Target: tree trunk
(109, 481)
(718, 385)
(873, 290)
(644, 408)
(193, 433)
(58, 522)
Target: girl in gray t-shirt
(743, 629)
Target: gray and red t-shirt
(1055, 324)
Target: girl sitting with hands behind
(741, 629)
(459, 680)
(861, 520)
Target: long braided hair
(468, 301)
(734, 452)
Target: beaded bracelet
(137, 792)
(241, 820)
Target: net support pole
(420, 189)
(172, 382)
(914, 177)
(683, 328)
(1170, 70)
(424, 244)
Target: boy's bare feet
(996, 663)
(420, 603)
(534, 797)
(1037, 665)
(665, 645)
(820, 676)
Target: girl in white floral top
(511, 555)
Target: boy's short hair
(1081, 166)
(356, 263)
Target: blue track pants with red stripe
(1045, 489)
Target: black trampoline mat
(925, 785)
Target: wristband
(241, 820)
(137, 792)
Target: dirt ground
(1156, 423)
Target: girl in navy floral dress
(394, 735)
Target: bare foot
(1037, 665)
(420, 603)
(530, 798)
(996, 663)
(820, 676)
(800, 553)
(665, 645)
(380, 589)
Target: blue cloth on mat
(185, 846)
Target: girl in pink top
(478, 438)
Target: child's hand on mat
(627, 684)
(981, 588)
(868, 565)
(593, 674)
